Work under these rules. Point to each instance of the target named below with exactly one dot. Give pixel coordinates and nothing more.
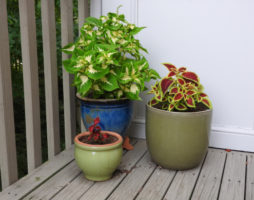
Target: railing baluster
(31, 89)
(50, 71)
(69, 92)
(83, 12)
(8, 161)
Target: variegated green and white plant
(107, 61)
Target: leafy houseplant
(178, 120)
(107, 61)
(109, 70)
(98, 153)
(179, 91)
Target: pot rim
(178, 113)
(99, 147)
(100, 100)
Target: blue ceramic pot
(115, 115)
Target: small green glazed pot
(177, 140)
(98, 162)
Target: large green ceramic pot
(98, 162)
(177, 140)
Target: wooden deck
(222, 175)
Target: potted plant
(109, 70)
(98, 153)
(178, 120)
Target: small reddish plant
(96, 137)
(180, 90)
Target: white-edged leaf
(96, 72)
(69, 48)
(119, 94)
(85, 85)
(109, 83)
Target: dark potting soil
(199, 107)
(111, 139)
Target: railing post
(83, 12)
(69, 92)
(50, 71)
(31, 83)
(8, 160)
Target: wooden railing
(8, 157)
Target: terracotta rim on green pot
(98, 162)
(101, 147)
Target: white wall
(215, 39)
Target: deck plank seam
(36, 187)
(142, 187)
(53, 196)
(246, 173)
(194, 186)
(163, 196)
(221, 178)
(126, 174)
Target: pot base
(97, 178)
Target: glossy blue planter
(115, 115)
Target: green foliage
(180, 90)
(106, 59)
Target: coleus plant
(96, 137)
(180, 90)
(106, 59)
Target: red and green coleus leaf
(206, 102)
(203, 95)
(158, 98)
(181, 81)
(190, 92)
(181, 107)
(171, 107)
(170, 67)
(191, 76)
(153, 102)
(164, 106)
(165, 84)
(182, 69)
(178, 97)
(172, 73)
(174, 90)
(190, 102)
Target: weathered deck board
(55, 183)
(37, 177)
(183, 184)
(157, 185)
(209, 180)
(233, 182)
(133, 183)
(75, 189)
(250, 177)
(101, 190)
(138, 178)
